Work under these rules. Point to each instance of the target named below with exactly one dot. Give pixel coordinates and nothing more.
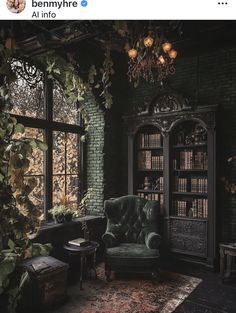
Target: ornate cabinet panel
(188, 237)
(169, 145)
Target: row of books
(189, 159)
(192, 184)
(198, 208)
(152, 196)
(147, 161)
(157, 162)
(180, 184)
(160, 183)
(180, 207)
(199, 185)
(149, 140)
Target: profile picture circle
(16, 6)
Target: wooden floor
(211, 296)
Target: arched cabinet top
(168, 110)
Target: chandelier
(151, 58)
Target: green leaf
(2, 132)
(41, 145)
(57, 71)
(24, 279)
(7, 266)
(19, 128)
(11, 244)
(1, 177)
(33, 143)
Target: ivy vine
(20, 219)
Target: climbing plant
(19, 218)
(68, 73)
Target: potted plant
(61, 213)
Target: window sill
(78, 220)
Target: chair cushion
(131, 250)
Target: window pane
(63, 111)
(72, 154)
(72, 189)
(27, 91)
(59, 146)
(37, 159)
(58, 189)
(36, 168)
(65, 168)
(37, 195)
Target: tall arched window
(40, 105)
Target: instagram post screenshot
(117, 156)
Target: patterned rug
(129, 295)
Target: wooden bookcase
(172, 159)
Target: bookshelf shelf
(185, 218)
(149, 191)
(189, 146)
(171, 146)
(190, 170)
(150, 148)
(201, 194)
(150, 170)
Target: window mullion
(65, 164)
(49, 141)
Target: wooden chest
(48, 282)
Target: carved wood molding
(167, 110)
(169, 102)
(165, 122)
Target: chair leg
(107, 273)
(154, 276)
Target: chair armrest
(152, 240)
(110, 240)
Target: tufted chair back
(131, 217)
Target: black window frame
(48, 125)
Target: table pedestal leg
(94, 264)
(81, 272)
(222, 263)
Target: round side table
(82, 253)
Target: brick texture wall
(95, 157)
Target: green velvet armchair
(131, 238)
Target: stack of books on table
(79, 242)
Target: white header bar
(117, 9)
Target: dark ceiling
(35, 37)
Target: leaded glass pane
(65, 168)
(72, 153)
(59, 146)
(27, 91)
(63, 111)
(37, 158)
(72, 186)
(37, 195)
(58, 189)
(36, 168)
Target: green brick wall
(95, 157)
